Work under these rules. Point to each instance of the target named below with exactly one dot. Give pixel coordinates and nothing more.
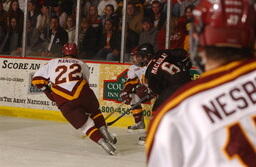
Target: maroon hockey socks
(98, 119)
(94, 134)
(137, 115)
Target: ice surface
(38, 143)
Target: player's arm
(41, 81)
(41, 77)
(142, 91)
(129, 88)
(167, 147)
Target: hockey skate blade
(109, 148)
(114, 136)
(136, 131)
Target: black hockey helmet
(168, 70)
(145, 51)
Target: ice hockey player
(166, 72)
(65, 80)
(136, 82)
(212, 121)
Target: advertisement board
(19, 98)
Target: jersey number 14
(239, 145)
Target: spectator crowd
(52, 23)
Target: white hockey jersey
(66, 76)
(137, 72)
(211, 122)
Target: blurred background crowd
(52, 23)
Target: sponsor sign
(112, 88)
(18, 95)
(20, 98)
(16, 88)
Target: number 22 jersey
(67, 77)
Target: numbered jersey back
(225, 121)
(214, 125)
(65, 72)
(168, 69)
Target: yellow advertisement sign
(112, 77)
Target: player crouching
(135, 87)
(69, 88)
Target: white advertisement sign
(16, 88)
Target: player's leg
(101, 125)
(91, 104)
(75, 115)
(92, 132)
(138, 118)
(137, 115)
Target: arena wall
(20, 99)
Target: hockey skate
(138, 127)
(107, 136)
(107, 146)
(142, 140)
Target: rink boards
(20, 99)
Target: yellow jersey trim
(95, 129)
(40, 82)
(192, 91)
(96, 116)
(67, 96)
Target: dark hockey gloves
(125, 93)
(141, 91)
(125, 96)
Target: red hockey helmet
(69, 49)
(225, 23)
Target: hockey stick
(109, 115)
(133, 107)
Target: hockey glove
(125, 96)
(47, 91)
(141, 91)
